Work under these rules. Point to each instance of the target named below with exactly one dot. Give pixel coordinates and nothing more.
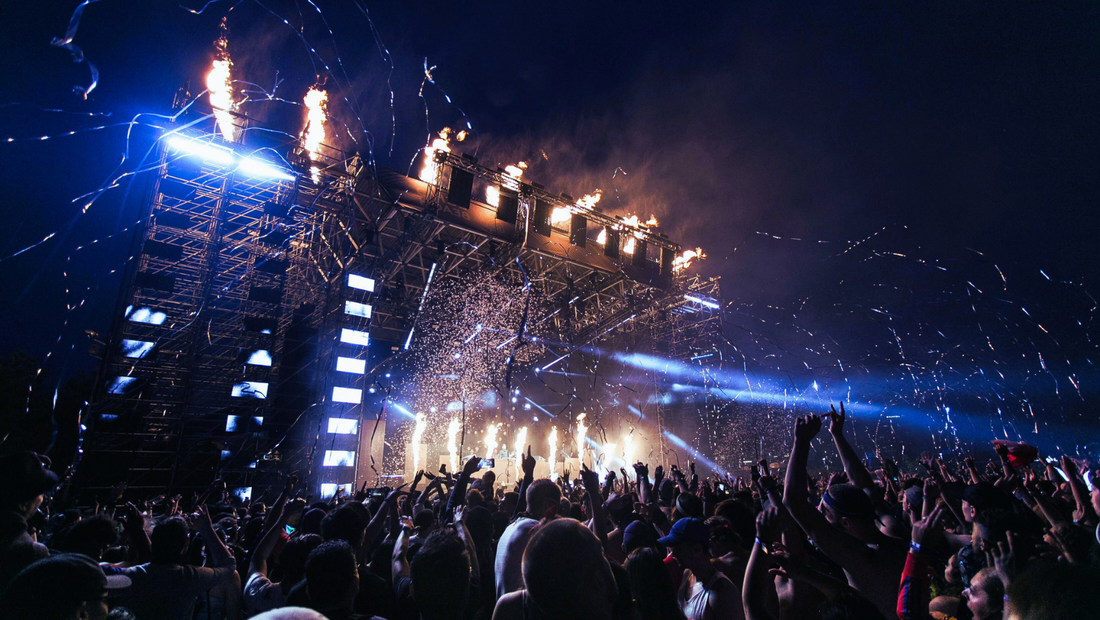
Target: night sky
(959, 140)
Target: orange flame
(429, 172)
(314, 133)
(587, 202)
(684, 260)
(218, 82)
(492, 192)
(316, 101)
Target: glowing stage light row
(250, 166)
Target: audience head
(543, 498)
(689, 540)
(847, 507)
(25, 478)
(637, 535)
(561, 554)
(91, 537)
(332, 579)
(170, 541)
(292, 559)
(66, 586)
(985, 596)
(344, 524)
(651, 585)
(441, 577)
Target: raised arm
(471, 549)
(598, 525)
(853, 465)
(757, 580)
(218, 553)
(271, 537)
(399, 565)
(843, 548)
(528, 466)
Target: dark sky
(949, 129)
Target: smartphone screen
(487, 464)
(289, 530)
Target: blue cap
(685, 531)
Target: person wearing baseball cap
(705, 593)
(25, 478)
(60, 587)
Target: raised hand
(528, 464)
(768, 525)
(1004, 559)
(417, 478)
(807, 427)
(590, 479)
(391, 497)
(927, 529)
(836, 420)
(641, 471)
(471, 466)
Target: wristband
(914, 546)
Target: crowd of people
(1015, 539)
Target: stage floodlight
(254, 167)
(260, 357)
(342, 426)
(204, 150)
(351, 396)
(354, 336)
(120, 385)
(249, 389)
(136, 348)
(355, 308)
(328, 489)
(339, 458)
(351, 365)
(146, 315)
(361, 283)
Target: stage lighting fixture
(351, 396)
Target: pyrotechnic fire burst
(491, 440)
(452, 443)
(684, 260)
(429, 171)
(219, 83)
(417, 437)
(553, 440)
(313, 136)
(521, 440)
(581, 437)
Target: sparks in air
(313, 136)
(429, 172)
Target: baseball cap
(24, 476)
(55, 584)
(638, 534)
(687, 530)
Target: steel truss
(239, 265)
